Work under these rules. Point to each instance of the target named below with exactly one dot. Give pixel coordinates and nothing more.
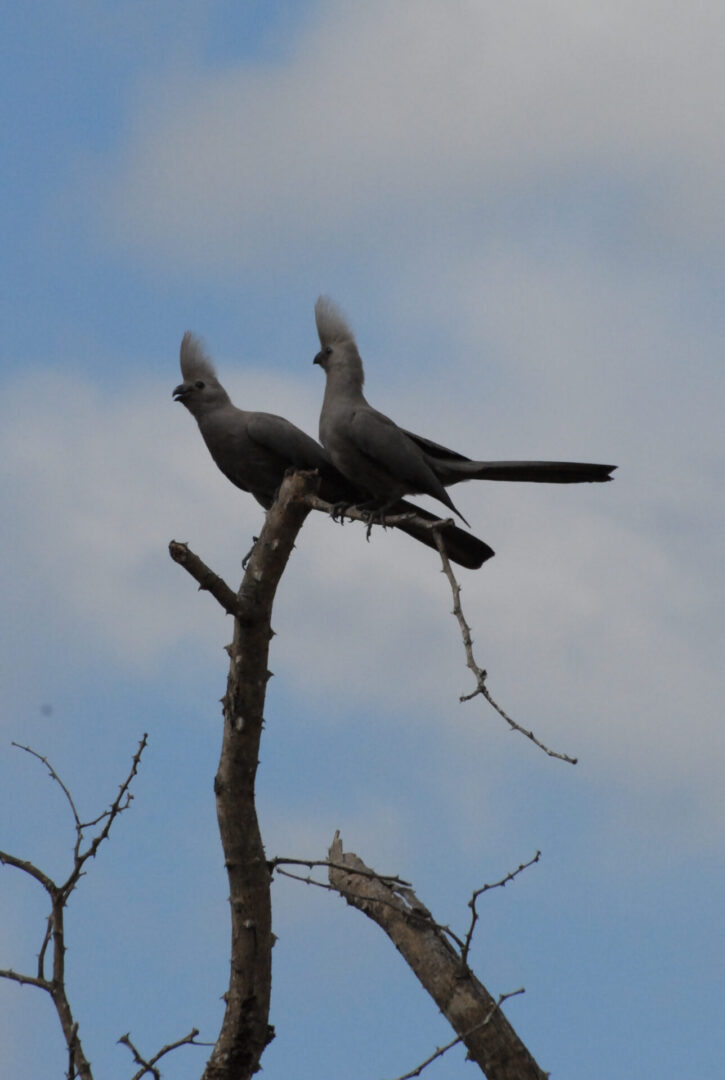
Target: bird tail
(461, 547)
(535, 472)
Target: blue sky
(520, 209)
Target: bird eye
(199, 384)
(327, 350)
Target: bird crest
(195, 364)
(331, 323)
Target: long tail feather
(535, 472)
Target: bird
(388, 462)
(254, 450)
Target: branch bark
(245, 1030)
(472, 1012)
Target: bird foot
(373, 516)
(337, 512)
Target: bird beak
(319, 359)
(180, 392)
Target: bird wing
(435, 450)
(380, 438)
(288, 442)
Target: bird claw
(374, 516)
(337, 512)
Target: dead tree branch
(55, 984)
(363, 516)
(478, 672)
(278, 861)
(466, 945)
(207, 579)
(150, 1065)
(461, 547)
(245, 1030)
(472, 1012)
(441, 1050)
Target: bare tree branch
(441, 1050)
(207, 579)
(478, 672)
(119, 804)
(277, 861)
(26, 980)
(28, 868)
(54, 776)
(245, 1030)
(463, 1000)
(389, 521)
(393, 882)
(150, 1065)
(466, 945)
(78, 1064)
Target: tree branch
(472, 1012)
(466, 945)
(150, 1065)
(479, 674)
(78, 1064)
(245, 1030)
(441, 1050)
(390, 520)
(208, 580)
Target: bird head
(339, 351)
(200, 391)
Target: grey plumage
(252, 449)
(388, 462)
(255, 449)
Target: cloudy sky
(519, 206)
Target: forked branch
(472, 1011)
(54, 935)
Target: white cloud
(392, 119)
(589, 620)
(404, 126)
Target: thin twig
(54, 775)
(466, 945)
(399, 890)
(46, 942)
(119, 804)
(78, 1065)
(478, 672)
(389, 879)
(454, 1042)
(149, 1066)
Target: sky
(519, 208)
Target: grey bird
(255, 449)
(388, 462)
